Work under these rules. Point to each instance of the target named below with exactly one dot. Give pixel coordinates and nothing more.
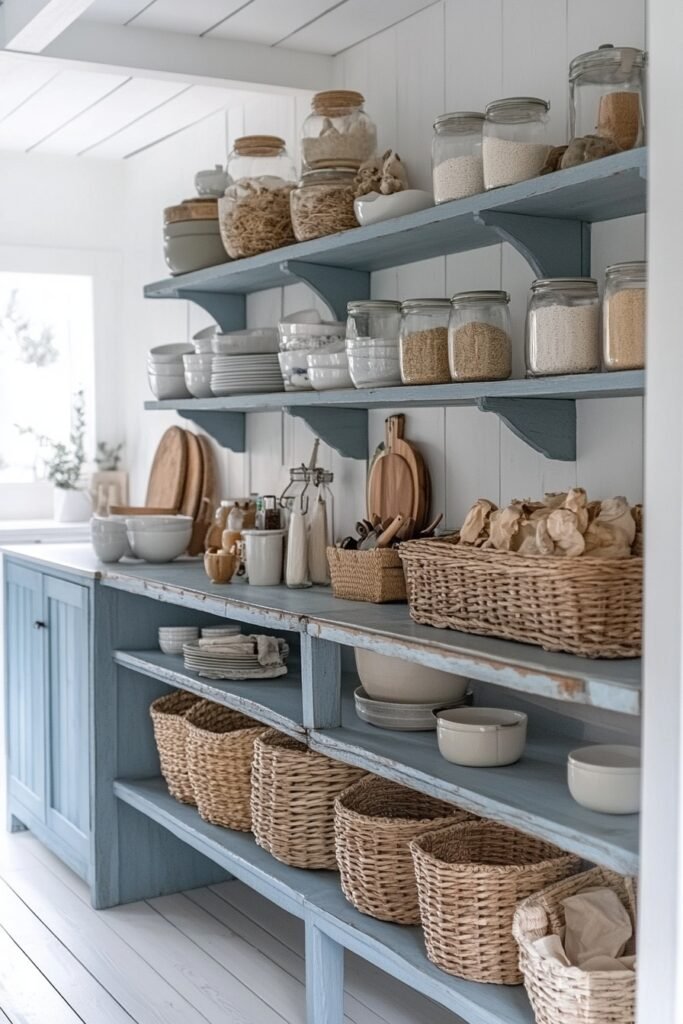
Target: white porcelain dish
(183, 228)
(187, 253)
(165, 369)
(258, 341)
(109, 540)
(375, 207)
(329, 378)
(172, 638)
(326, 358)
(201, 341)
(374, 371)
(401, 717)
(167, 385)
(605, 778)
(403, 682)
(158, 524)
(481, 737)
(158, 545)
(198, 360)
(214, 631)
(169, 353)
(198, 384)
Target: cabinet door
(68, 792)
(25, 679)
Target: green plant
(65, 463)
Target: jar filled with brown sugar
(623, 316)
(322, 204)
(254, 213)
(479, 329)
(337, 132)
(607, 95)
(424, 341)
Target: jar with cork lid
(254, 212)
(337, 132)
(515, 143)
(607, 93)
(623, 316)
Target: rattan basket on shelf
(375, 575)
(169, 719)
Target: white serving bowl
(158, 524)
(393, 715)
(249, 342)
(327, 378)
(111, 526)
(318, 360)
(481, 737)
(294, 369)
(172, 638)
(158, 545)
(606, 778)
(198, 361)
(167, 385)
(374, 371)
(169, 353)
(201, 341)
(109, 545)
(374, 207)
(198, 384)
(166, 369)
(403, 682)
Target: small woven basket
(292, 801)
(568, 995)
(220, 745)
(375, 575)
(470, 878)
(375, 821)
(170, 734)
(587, 606)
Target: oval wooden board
(167, 475)
(418, 471)
(194, 476)
(390, 485)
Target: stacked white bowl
(166, 372)
(374, 362)
(197, 368)
(108, 537)
(245, 361)
(328, 370)
(172, 638)
(159, 538)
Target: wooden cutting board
(194, 476)
(167, 475)
(418, 471)
(390, 484)
(209, 479)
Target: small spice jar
(606, 94)
(254, 212)
(322, 204)
(457, 165)
(372, 342)
(424, 341)
(337, 132)
(515, 144)
(623, 316)
(479, 329)
(563, 326)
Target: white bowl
(198, 384)
(214, 631)
(371, 371)
(327, 378)
(403, 682)
(294, 369)
(325, 358)
(109, 547)
(169, 353)
(201, 341)
(177, 631)
(198, 361)
(481, 737)
(158, 546)
(107, 525)
(374, 207)
(158, 524)
(249, 342)
(166, 369)
(605, 778)
(167, 386)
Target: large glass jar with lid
(515, 143)
(479, 336)
(322, 204)
(563, 326)
(424, 341)
(254, 213)
(623, 316)
(337, 132)
(607, 95)
(457, 166)
(372, 342)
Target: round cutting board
(167, 475)
(391, 490)
(194, 476)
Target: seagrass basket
(568, 995)
(170, 734)
(375, 575)
(375, 821)
(220, 746)
(470, 878)
(292, 800)
(587, 606)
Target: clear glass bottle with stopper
(308, 493)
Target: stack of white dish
(374, 362)
(398, 694)
(245, 374)
(166, 372)
(197, 368)
(328, 370)
(250, 342)
(236, 660)
(172, 638)
(211, 632)
(202, 340)
(159, 538)
(109, 540)
(301, 334)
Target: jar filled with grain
(515, 142)
(424, 341)
(623, 316)
(457, 166)
(563, 326)
(606, 95)
(254, 213)
(322, 204)
(337, 132)
(479, 336)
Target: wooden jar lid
(259, 145)
(205, 208)
(336, 99)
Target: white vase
(71, 505)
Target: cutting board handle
(394, 429)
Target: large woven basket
(470, 878)
(568, 995)
(220, 746)
(292, 802)
(588, 606)
(375, 821)
(169, 718)
(375, 575)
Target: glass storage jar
(607, 95)
(337, 132)
(563, 326)
(424, 341)
(372, 342)
(515, 140)
(254, 212)
(623, 316)
(479, 329)
(322, 204)
(457, 166)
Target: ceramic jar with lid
(424, 341)
(457, 165)
(563, 326)
(607, 94)
(337, 132)
(322, 204)
(479, 331)
(254, 213)
(372, 342)
(623, 316)
(515, 143)
(212, 182)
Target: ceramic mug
(263, 551)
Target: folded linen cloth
(596, 934)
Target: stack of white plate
(211, 632)
(245, 374)
(221, 662)
(173, 638)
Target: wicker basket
(588, 606)
(220, 745)
(292, 801)
(568, 995)
(375, 820)
(470, 878)
(375, 575)
(170, 733)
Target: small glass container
(563, 326)
(424, 341)
(372, 342)
(457, 165)
(515, 143)
(254, 213)
(607, 95)
(337, 132)
(479, 336)
(322, 204)
(623, 316)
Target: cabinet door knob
(39, 625)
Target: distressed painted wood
(552, 247)
(229, 429)
(549, 427)
(324, 975)
(321, 682)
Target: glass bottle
(479, 331)
(563, 326)
(424, 341)
(337, 132)
(623, 316)
(607, 94)
(457, 165)
(515, 142)
(254, 213)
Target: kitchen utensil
(605, 778)
(401, 717)
(481, 737)
(201, 525)
(390, 485)
(385, 538)
(407, 529)
(429, 530)
(387, 678)
(263, 556)
(418, 469)
(220, 565)
(167, 475)
(192, 492)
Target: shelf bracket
(336, 286)
(228, 310)
(553, 247)
(345, 430)
(548, 425)
(226, 427)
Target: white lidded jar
(457, 164)
(563, 326)
(515, 143)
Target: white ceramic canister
(605, 778)
(263, 556)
